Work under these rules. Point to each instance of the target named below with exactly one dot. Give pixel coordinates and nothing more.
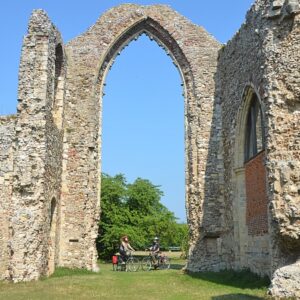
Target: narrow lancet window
(254, 142)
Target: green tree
(135, 210)
(144, 197)
(114, 213)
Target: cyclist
(155, 250)
(125, 248)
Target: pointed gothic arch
(162, 37)
(90, 55)
(250, 200)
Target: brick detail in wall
(257, 200)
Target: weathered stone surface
(50, 153)
(37, 155)
(286, 282)
(262, 58)
(7, 134)
(89, 58)
(284, 8)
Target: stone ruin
(242, 140)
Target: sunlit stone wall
(50, 153)
(90, 56)
(7, 134)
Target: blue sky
(143, 133)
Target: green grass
(62, 272)
(167, 285)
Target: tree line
(135, 209)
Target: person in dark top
(155, 249)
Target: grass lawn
(172, 284)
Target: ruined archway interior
(143, 120)
(155, 32)
(68, 161)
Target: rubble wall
(90, 55)
(37, 157)
(263, 58)
(7, 134)
(50, 153)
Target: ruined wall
(240, 64)
(50, 153)
(37, 157)
(55, 181)
(263, 58)
(89, 58)
(284, 151)
(7, 133)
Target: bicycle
(163, 262)
(132, 264)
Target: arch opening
(143, 93)
(153, 30)
(59, 86)
(52, 236)
(250, 197)
(102, 43)
(58, 64)
(254, 129)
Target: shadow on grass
(243, 280)
(176, 266)
(236, 297)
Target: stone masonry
(244, 97)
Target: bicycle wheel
(132, 264)
(165, 263)
(146, 264)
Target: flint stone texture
(7, 134)
(90, 56)
(50, 154)
(286, 282)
